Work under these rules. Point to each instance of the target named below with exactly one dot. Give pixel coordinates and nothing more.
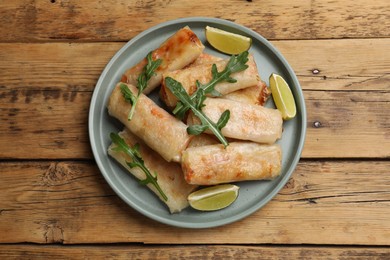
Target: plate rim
(229, 219)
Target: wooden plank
(45, 91)
(53, 124)
(339, 64)
(47, 66)
(121, 20)
(44, 124)
(359, 64)
(70, 203)
(332, 115)
(191, 252)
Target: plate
(254, 194)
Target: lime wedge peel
(282, 96)
(214, 197)
(227, 42)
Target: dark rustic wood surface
(192, 252)
(55, 203)
(325, 202)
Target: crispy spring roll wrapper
(207, 139)
(255, 95)
(202, 140)
(169, 174)
(176, 52)
(204, 59)
(247, 122)
(188, 77)
(156, 127)
(241, 161)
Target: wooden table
(55, 203)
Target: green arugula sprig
(236, 63)
(137, 161)
(196, 104)
(142, 82)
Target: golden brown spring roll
(204, 59)
(176, 52)
(255, 95)
(202, 140)
(247, 122)
(242, 161)
(156, 127)
(169, 175)
(188, 77)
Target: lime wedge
(227, 42)
(283, 98)
(213, 198)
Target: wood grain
(54, 202)
(334, 203)
(358, 64)
(347, 65)
(52, 66)
(53, 124)
(191, 252)
(332, 115)
(121, 20)
(45, 91)
(44, 123)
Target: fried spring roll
(202, 140)
(156, 127)
(176, 52)
(169, 175)
(247, 122)
(241, 161)
(255, 95)
(188, 77)
(204, 59)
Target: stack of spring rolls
(182, 161)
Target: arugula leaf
(223, 119)
(196, 129)
(137, 161)
(196, 105)
(127, 94)
(235, 64)
(142, 82)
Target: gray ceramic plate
(253, 195)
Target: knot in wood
(57, 173)
(315, 71)
(317, 124)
